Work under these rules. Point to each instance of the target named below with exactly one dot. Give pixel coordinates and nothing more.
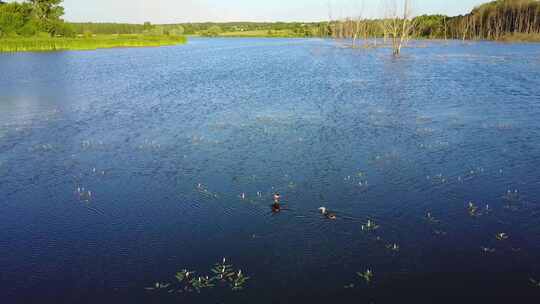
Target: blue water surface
(119, 168)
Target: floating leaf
(370, 226)
(501, 236)
(473, 210)
(393, 247)
(367, 276)
(183, 275)
(238, 281)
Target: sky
(180, 11)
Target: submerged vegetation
(36, 25)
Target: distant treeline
(495, 20)
(200, 29)
(298, 29)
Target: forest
(33, 18)
(37, 25)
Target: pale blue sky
(172, 11)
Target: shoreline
(16, 45)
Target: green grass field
(261, 34)
(521, 37)
(86, 43)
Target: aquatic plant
(183, 275)
(511, 196)
(367, 276)
(238, 281)
(203, 190)
(430, 218)
(201, 283)
(84, 194)
(223, 271)
(158, 286)
(393, 247)
(501, 236)
(535, 282)
(512, 200)
(370, 226)
(473, 210)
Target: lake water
(119, 168)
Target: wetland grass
(37, 44)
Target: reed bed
(86, 43)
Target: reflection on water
(119, 168)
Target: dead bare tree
(464, 28)
(399, 27)
(358, 24)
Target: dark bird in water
(276, 206)
(327, 213)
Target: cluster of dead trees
(491, 21)
(397, 27)
(495, 20)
